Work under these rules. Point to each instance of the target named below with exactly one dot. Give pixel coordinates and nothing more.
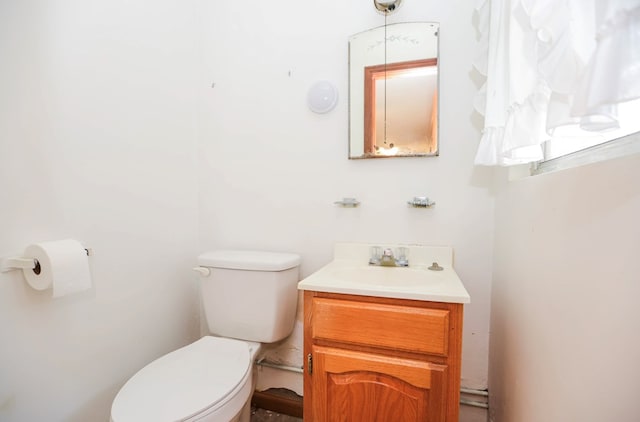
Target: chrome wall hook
(421, 202)
(348, 202)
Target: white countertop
(350, 273)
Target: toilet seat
(211, 375)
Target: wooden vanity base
(380, 359)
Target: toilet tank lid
(249, 260)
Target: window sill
(620, 147)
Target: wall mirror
(393, 91)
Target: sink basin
(349, 273)
(398, 277)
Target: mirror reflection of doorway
(401, 108)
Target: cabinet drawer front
(381, 325)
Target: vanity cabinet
(380, 359)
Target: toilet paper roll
(62, 264)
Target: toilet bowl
(208, 380)
(212, 379)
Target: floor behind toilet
(262, 415)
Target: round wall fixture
(386, 6)
(322, 97)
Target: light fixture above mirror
(386, 6)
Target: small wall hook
(348, 202)
(421, 202)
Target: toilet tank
(250, 295)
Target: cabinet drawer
(393, 327)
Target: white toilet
(248, 298)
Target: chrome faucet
(385, 258)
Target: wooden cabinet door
(352, 386)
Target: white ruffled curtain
(550, 64)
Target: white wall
(564, 321)
(105, 106)
(97, 142)
(270, 169)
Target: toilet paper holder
(25, 263)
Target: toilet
(248, 298)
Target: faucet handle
(401, 256)
(375, 255)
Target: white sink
(399, 277)
(349, 273)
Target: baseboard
(279, 400)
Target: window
(571, 146)
(547, 68)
